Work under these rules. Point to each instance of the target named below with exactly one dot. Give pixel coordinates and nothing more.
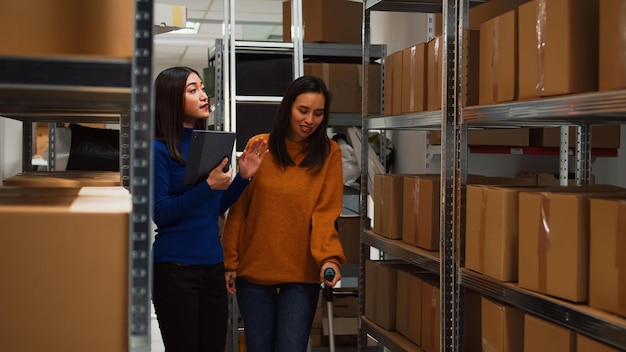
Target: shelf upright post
(449, 283)
(141, 134)
(27, 146)
(219, 91)
(462, 38)
(364, 221)
(564, 155)
(583, 154)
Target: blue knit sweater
(186, 216)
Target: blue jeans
(277, 318)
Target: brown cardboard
(388, 85)
(502, 326)
(483, 12)
(602, 136)
(68, 28)
(345, 84)
(414, 79)
(392, 199)
(471, 63)
(64, 252)
(491, 234)
(64, 179)
(408, 306)
(557, 48)
(607, 263)
(508, 137)
(543, 336)
(381, 290)
(345, 302)
(611, 63)
(377, 199)
(554, 240)
(587, 344)
(349, 230)
(434, 64)
(396, 91)
(431, 315)
(472, 341)
(420, 217)
(498, 59)
(329, 21)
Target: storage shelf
(428, 260)
(592, 108)
(49, 89)
(426, 6)
(603, 326)
(308, 49)
(390, 339)
(478, 149)
(420, 120)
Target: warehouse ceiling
(255, 20)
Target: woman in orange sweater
(280, 235)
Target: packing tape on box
(482, 229)
(543, 241)
(495, 61)
(620, 258)
(541, 44)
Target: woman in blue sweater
(189, 289)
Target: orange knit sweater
(282, 227)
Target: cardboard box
(543, 336)
(484, 12)
(431, 315)
(498, 59)
(70, 179)
(381, 290)
(558, 47)
(388, 198)
(65, 253)
(587, 344)
(607, 263)
(602, 136)
(434, 64)
(345, 302)
(421, 211)
(502, 326)
(611, 69)
(554, 240)
(393, 84)
(491, 230)
(396, 82)
(409, 306)
(68, 28)
(349, 228)
(345, 331)
(508, 137)
(414, 79)
(547, 179)
(328, 21)
(345, 84)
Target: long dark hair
(169, 112)
(318, 144)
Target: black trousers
(191, 305)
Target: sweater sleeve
(232, 228)
(167, 208)
(325, 244)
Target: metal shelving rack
(582, 110)
(447, 121)
(103, 91)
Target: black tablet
(206, 151)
